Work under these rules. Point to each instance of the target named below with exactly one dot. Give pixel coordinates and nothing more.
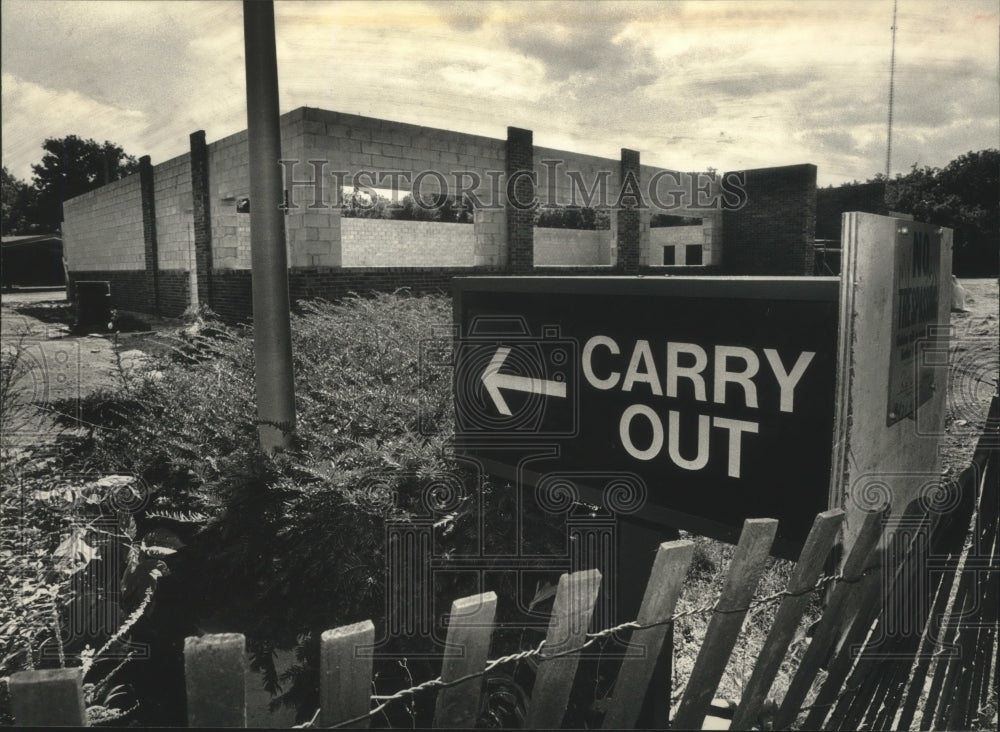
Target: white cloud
(32, 112)
(690, 85)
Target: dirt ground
(56, 367)
(972, 378)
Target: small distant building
(32, 261)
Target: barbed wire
(591, 638)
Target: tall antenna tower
(892, 79)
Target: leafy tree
(436, 207)
(657, 221)
(965, 197)
(572, 217)
(72, 166)
(18, 199)
(359, 204)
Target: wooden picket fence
(910, 624)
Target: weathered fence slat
(571, 613)
(936, 702)
(723, 630)
(470, 627)
(48, 698)
(884, 707)
(346, 673)
(941, 660)
(898, 560)
(972, 637)
(964, 603)
(820, 541)
(908, 648)
(666, 581)
(870, 680)
(827, 629)
(912, 687)
(951, 529)
(215, 678)
(843, 652)
(985, 641)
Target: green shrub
(281, 548)
(77, 578)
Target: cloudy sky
(692, 85)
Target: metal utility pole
(272, 328)
(892, 81)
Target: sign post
(893, 376)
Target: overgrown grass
(282, 548)
(59, 532)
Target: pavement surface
(53, 368)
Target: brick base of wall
(773, 234)
(232, 293)
(232, 298)
(133, 289)
(571, 271)
(130, 289)
(175, 291)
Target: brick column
(628, 228)
(774, 232)
(149, 228)
(202, 217)
(520, 221)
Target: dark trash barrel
(93, 305)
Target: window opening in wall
(378, 203)
(554, 216)
(693, 254)
(669, 255)
(658, 221)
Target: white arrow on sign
(494, 381)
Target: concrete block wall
(490, 230)
(677, 236)
(711, 233)
(566, 179)
(312, 224)
(572, 247)
(690, 195)
(390, 243)
(354, 143)
(682, 237)
(556, 184)
(102, 229)
(189, 204)
(774, 233)
(174, 223)
(228, 181)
